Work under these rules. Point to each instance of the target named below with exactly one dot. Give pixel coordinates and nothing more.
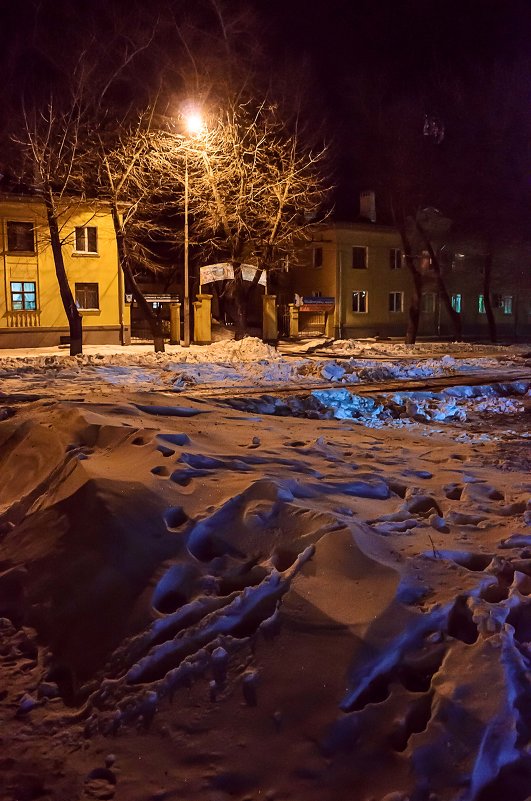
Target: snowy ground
(315, 596)
(251, 363)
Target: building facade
(31, 311)
(358, 269)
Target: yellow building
(359, 267)
(31, 311)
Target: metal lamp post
(186, 263)
(194, 126)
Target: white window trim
(397, 258)
(401, 296)
(358, 292)
(86, 251)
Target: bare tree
(255, 184)
(93, 79)
(140, 202)
(51, 141)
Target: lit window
(359, 258)
(23, 295)
(427, 302)
(87, 296)
(481, 304)
(317, 257)
(507, 304)
(396, 301)
(456, 303)
(359, 301)
(395, 259)
(86, 239)
(20, 237)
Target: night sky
(372, 68)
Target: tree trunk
(414, 309)
(154, 322)
(414, 306)
(455, 317)
(487, 274)
(75, 320)
(240, 297)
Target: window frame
(24, 293)
(433, 304)
(395, 259)
(9, 236)
(357, 249)
(359, 293)
(317, 257)
(394, 294)
(85, 251)
(507, 307)
(81, 286)
(456, 301)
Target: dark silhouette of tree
(51, 142)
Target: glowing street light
(194, 125)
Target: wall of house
(510, 294)
(332, 274)
(46, 324)
(337, 277)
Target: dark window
(317, 257)
(359, 301)
(87, 296)
(86, 239)
(396, 301)
(395, 258)
(23, 295)
(20, 237)
(427, 302)
(359, 258)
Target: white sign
(224, 271)
(249, 272)
(215, 272)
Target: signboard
(317, 305)
(161, 298)
(307, 301)
(225, 271)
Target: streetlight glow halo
(194, 122)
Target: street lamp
(194, 125)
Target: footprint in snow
(100, 784)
